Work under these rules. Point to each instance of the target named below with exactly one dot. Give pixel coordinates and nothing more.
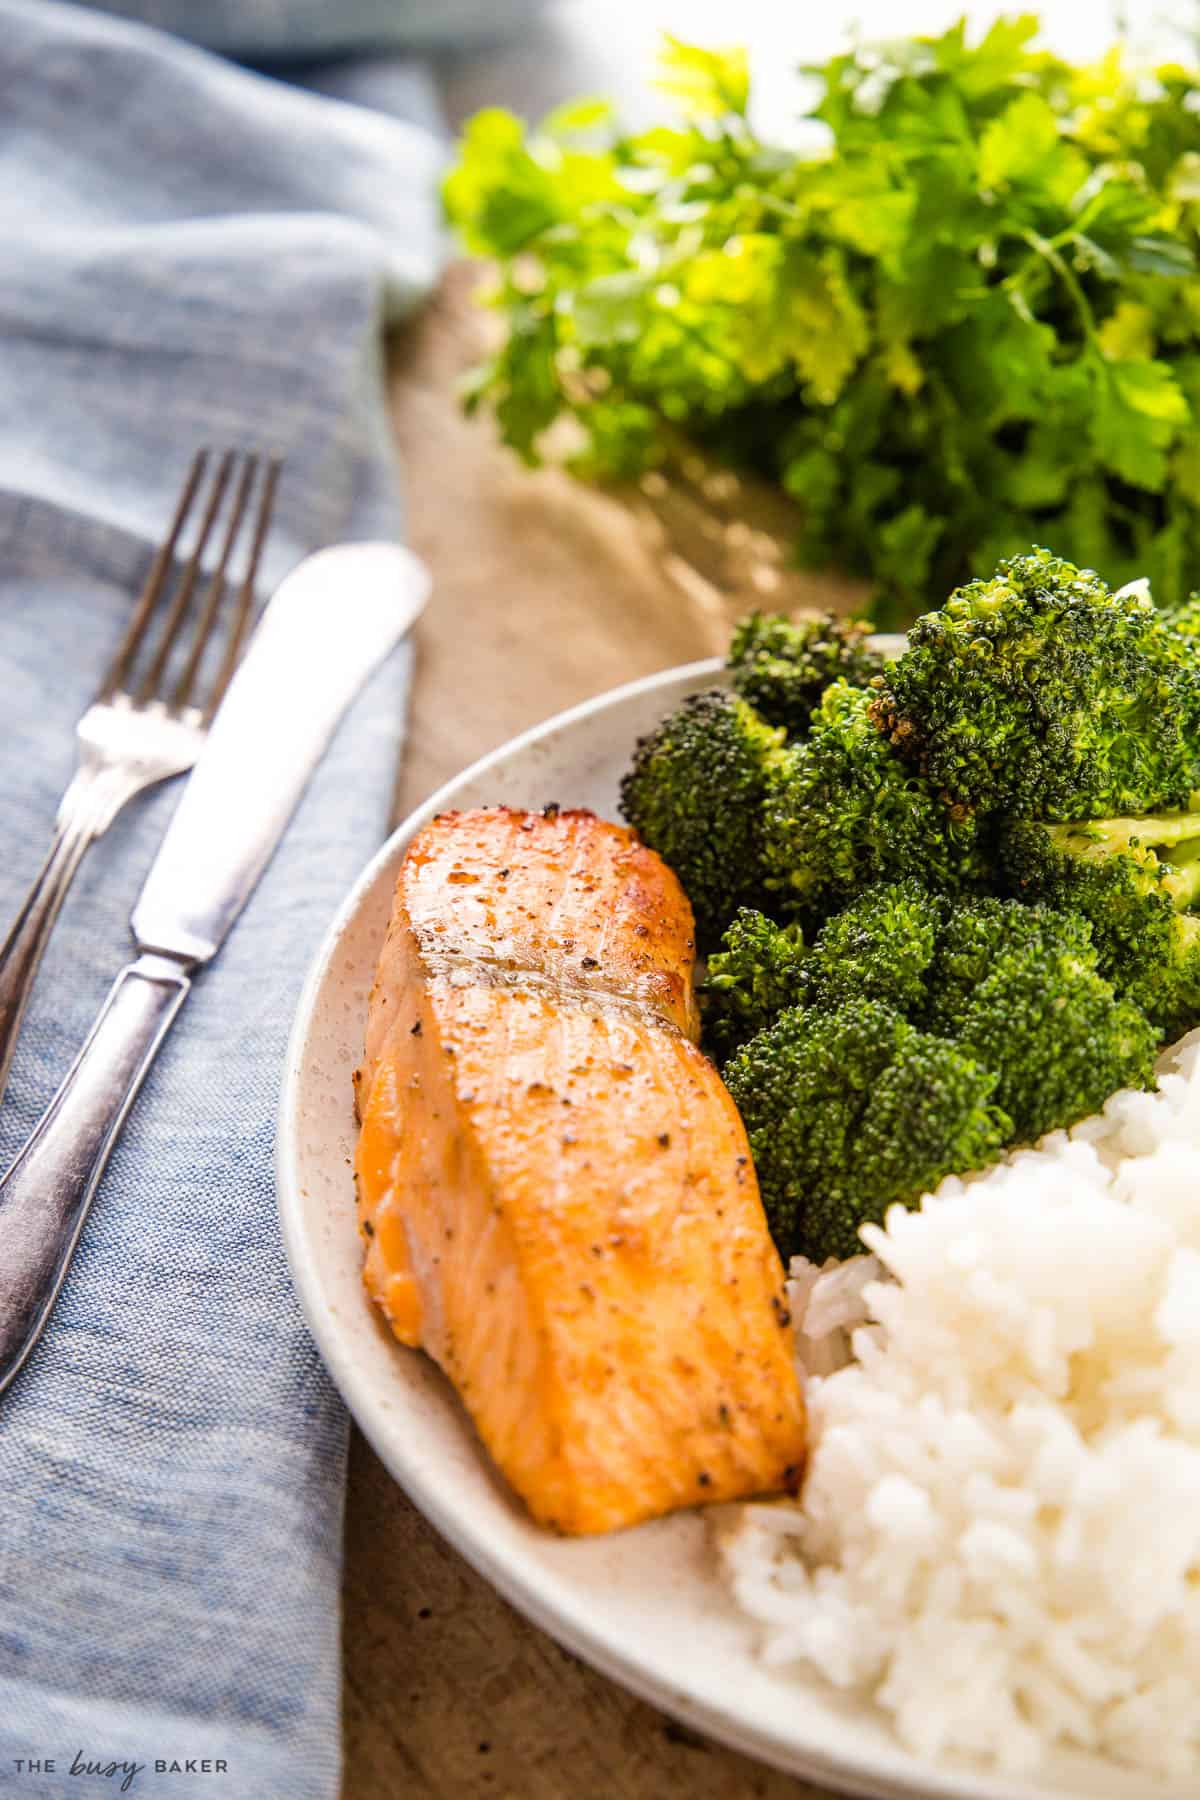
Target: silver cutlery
(329, 624)
(153, 707)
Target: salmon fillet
(554, 1186)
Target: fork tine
(183, 593)
(244, 606)
(151, 593)
(214, 593)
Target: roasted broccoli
(696, 794)
(979, 935)
(906, 1022)
(1040, 693)
(1015, 987)
(756, 975)
(843, 811)
(782, 667)
(1134, 880)
(879, 948)
(1018, 987)
(850, 1111)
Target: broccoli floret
(844, 811)
(1041, 693)
(757, 973)
(978, 935)
(695, 794)
(880, 947)
(1134, 880)
(850, 1111)
(918, 1037)
(782, 667)
(1059, 1039)
(1018, 987)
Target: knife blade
(328, 626)
(331, 621)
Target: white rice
(998, 1538)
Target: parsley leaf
(970, 322)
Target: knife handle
(45, 1196)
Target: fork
(152, 711)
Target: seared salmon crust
(554, 1186)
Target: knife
(330, 622)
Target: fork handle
(45, 1196)
(95, 796)
(30, 933)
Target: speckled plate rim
(646, 1607)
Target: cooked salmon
(554, 1186)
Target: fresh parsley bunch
(970, 322)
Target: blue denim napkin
(189, 253)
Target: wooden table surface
(544, 593)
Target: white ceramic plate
(645, 1606)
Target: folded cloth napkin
(295, 30)
(192, 254)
